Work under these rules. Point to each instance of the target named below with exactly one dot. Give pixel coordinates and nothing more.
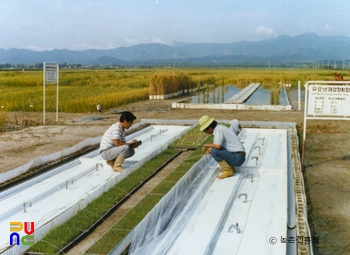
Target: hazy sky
(105, 24)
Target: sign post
(51, 71)
(328, 100)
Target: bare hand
(204, 150)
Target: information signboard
(50, 77)
(51, 73)
(325, 100)
(330, 100)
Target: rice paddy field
(80, 91)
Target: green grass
(124, 226)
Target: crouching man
(226, 148)
(113, 146)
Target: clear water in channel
(220, 94)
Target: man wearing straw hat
(226, 148)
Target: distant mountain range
(282, 49)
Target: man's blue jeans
(233, 159)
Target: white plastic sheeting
(155, 234)
(57, 195)
(237, 215)
(42, 160)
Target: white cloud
(262, 30)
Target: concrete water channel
(261, 210)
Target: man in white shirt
(226, 148)
(113, 146)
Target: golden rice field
(82, 90)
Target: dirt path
(327, 155)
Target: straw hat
(204, 122)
